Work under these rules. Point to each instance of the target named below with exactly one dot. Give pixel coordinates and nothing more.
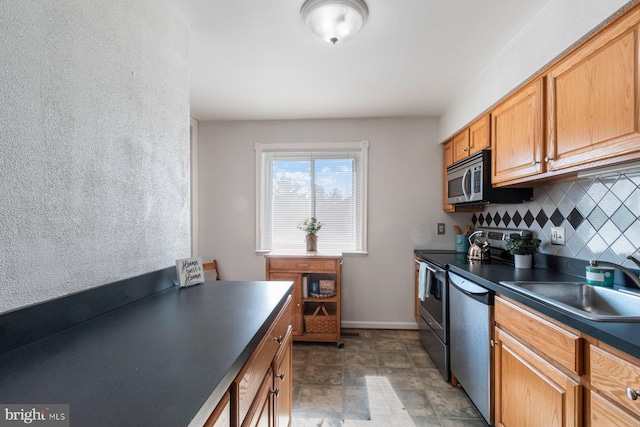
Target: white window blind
(298, 181)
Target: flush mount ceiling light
(334, 21)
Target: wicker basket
(324, 323)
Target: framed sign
(189, 271)
(327, 287)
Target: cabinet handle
(535, 162)
(280, 377)
(298, 305)
(492, 343)
(278, 339)
(465, 149)
(633, 394)
(275, 392)
(302, 265)
(547, 158)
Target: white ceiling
(254, 60)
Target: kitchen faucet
(625, 270)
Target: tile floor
(329, 383)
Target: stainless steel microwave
(469, 182)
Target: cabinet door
(517, 134)
(221, 416)
(594, 112)
(461, 145)
(261, 412)
(447, 159)
(296, 298)
(530, 391)
(479, 135)
(283, 384)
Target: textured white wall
(94, 135)
(404, 206)
(558, 26)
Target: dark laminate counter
(166, 359)
(624, 336)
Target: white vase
(523, 261)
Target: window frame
(362, 146)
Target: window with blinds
(298, 181)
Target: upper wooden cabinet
(592, 99)
(472, 139)
(517, 131)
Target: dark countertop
(623, 335)
(163, 360)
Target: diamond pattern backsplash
(601, 218)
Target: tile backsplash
(601, 217)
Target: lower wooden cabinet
(272, 405)
(548, 374)
(529, 390)
(261, 394)
(614, 376)
(283, 384)
(221, 416)
(605, 413)
(261, 412)
(537, 370)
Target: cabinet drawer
(302, 265)
(248, 381)
(605, 413)
(556, 342)
(612, 375)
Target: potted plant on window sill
(311, 226)
(522, 249)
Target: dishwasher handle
(471, 289)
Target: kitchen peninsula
(164, 359)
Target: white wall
(558, 26)
(94, 130)
(404, 206)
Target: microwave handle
(466, 178)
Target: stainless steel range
(434, 295)
(433, 319)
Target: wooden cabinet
(480, 135)
(315, 318)
(537, 368)
(283, 384)
(255, 389)
(221, 416)
(472, 139)
(593, 108)
(261, 412)
(460, 145)
(517, 132)
(613, 374)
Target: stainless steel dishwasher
(470, 322)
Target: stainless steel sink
(591, 302)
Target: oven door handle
(431, 269)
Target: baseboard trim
(378, 325)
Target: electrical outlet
(441, 228)
(557, 236)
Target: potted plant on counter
(311, 226)
(522, 249)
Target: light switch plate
(441, 228)
(557, 236)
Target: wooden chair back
(208, 266)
